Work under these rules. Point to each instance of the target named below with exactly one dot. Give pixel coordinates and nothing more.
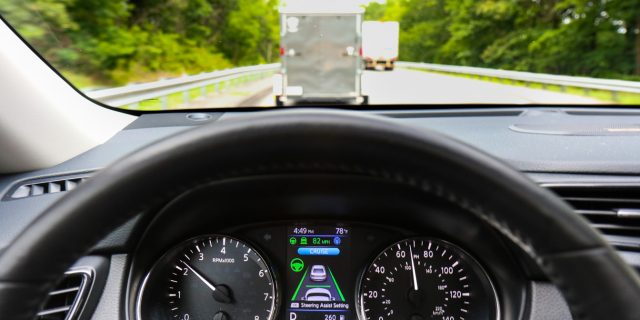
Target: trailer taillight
(360, 51)
(282, 51)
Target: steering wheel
(594, 280)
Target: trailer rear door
(322, 55)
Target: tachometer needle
(413, 269)
(211, 286)
(220, 292)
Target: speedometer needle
(413, 269)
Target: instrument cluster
(317, 271)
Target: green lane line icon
(295, 294)
(297, 265)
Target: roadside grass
(622, 98)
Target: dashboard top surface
(546, 157)
(592, 149)
(556, 158)
(570, 140)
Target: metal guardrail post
(185, 97)
(164, 102)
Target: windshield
(201, 54)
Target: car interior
(332, 212)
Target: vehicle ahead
(380, 44)
(320, 51)
(318, 273)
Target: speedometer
(424, 278)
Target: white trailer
(320, 47)
(380, 42)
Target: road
(409, 87)
(404, 86)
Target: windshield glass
(195, 54)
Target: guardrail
(564, 82)
(131, 95)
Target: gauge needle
(220, 293)
(211, 286)
(413, 269)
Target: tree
(375, 11)
(252, 27)
(576, 37)
(626, 18)
(46, 24)
(424, 30)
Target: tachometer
(423, 278)
(212, 278)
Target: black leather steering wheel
(596, 283)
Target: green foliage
(251, 31)
(375, 11)
(119, 41)
(389, 10)
(35, 19)
(598, 38)
(107, 43)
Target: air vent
(66, 300)
(614, 210)
(38, 187)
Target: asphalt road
(409, 87)
(416, 87)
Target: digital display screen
(319, 273)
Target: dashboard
(317, 271)
(379, 255)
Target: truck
(320, 51)
(380, 41)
